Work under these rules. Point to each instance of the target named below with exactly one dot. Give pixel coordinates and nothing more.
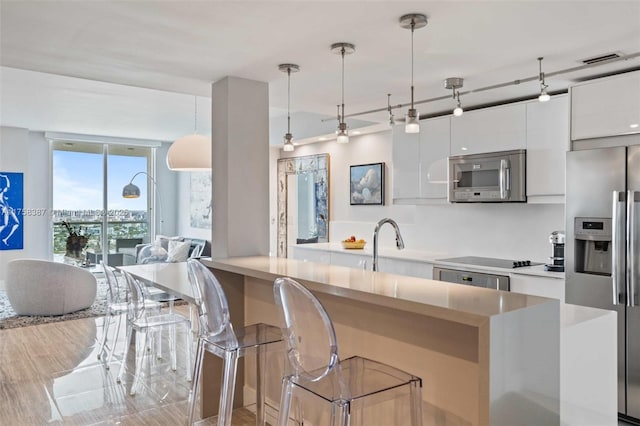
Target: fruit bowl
(351, 245)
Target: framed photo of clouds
(367, 184)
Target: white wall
(512, 231)
(28, 153)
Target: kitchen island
(485, 356)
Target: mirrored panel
(303, 201)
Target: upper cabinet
(434, 153)
(501, 128)
(406, 167)
(420, 163)
(547, 145)
(606, 107)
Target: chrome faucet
(399, 242)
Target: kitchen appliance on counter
(556, 239)
(478, 279)
(492, 177)
(602, 256)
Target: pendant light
(342, 49)
(288, 137)
(544, 96)
(392, 119)
(455, 83)
(190, 152)
(412, 21)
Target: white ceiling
(184, 46)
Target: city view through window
(83, 195)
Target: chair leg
(228, 388)
(261, 355)
(126, 354)
(115, 340)
(195, 381)
(415, 393)
(140, 355)
(340, 413)
(189, 354)
(105, 330)
(285, 401)
(172, 347)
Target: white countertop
(453, 302)
(432, 257)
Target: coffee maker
(557, 252)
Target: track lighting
(342, 49)
(412, 22)
(544, 96)
(455, 83)
(288, 137)
(392, 119)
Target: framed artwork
(200, 201)
(11, 211)
(367, 184)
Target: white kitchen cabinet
(359, 261)
(420, 162)
(405, 267)
(434, 152)
(606, 107)
(500, 128)
(537, 286)
(309, 255)
(406, 166)
(547, 144)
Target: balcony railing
(93, 230)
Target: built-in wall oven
(495, 177)
(476, 279)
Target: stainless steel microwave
(494, 177)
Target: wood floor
(50, 374)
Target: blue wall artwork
(11, 211)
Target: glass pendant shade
(343, 136)
(288, 144)
(458, 111)
(544, 96)
(412, 124)
(130, 191)
(190, 153)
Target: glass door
(90, 216)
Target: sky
(77, 181)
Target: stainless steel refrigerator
(602, 250)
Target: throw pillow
(178, 251)
(152, 253)
(163, 240)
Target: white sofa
(41, 287)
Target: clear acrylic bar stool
(217, 336)
(116, 307)
(348, 386)
(143, 321)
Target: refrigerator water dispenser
(593, 245)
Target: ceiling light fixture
(342, 49)
(455, 83)
(544, 96)
(392, 119)
(412, 21)
(190, 152)
(288, 137)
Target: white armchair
(41, 287)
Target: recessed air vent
(601, 58)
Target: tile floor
(50, 374)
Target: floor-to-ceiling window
(90, 216)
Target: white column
(240, 168)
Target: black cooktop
(490, 262)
